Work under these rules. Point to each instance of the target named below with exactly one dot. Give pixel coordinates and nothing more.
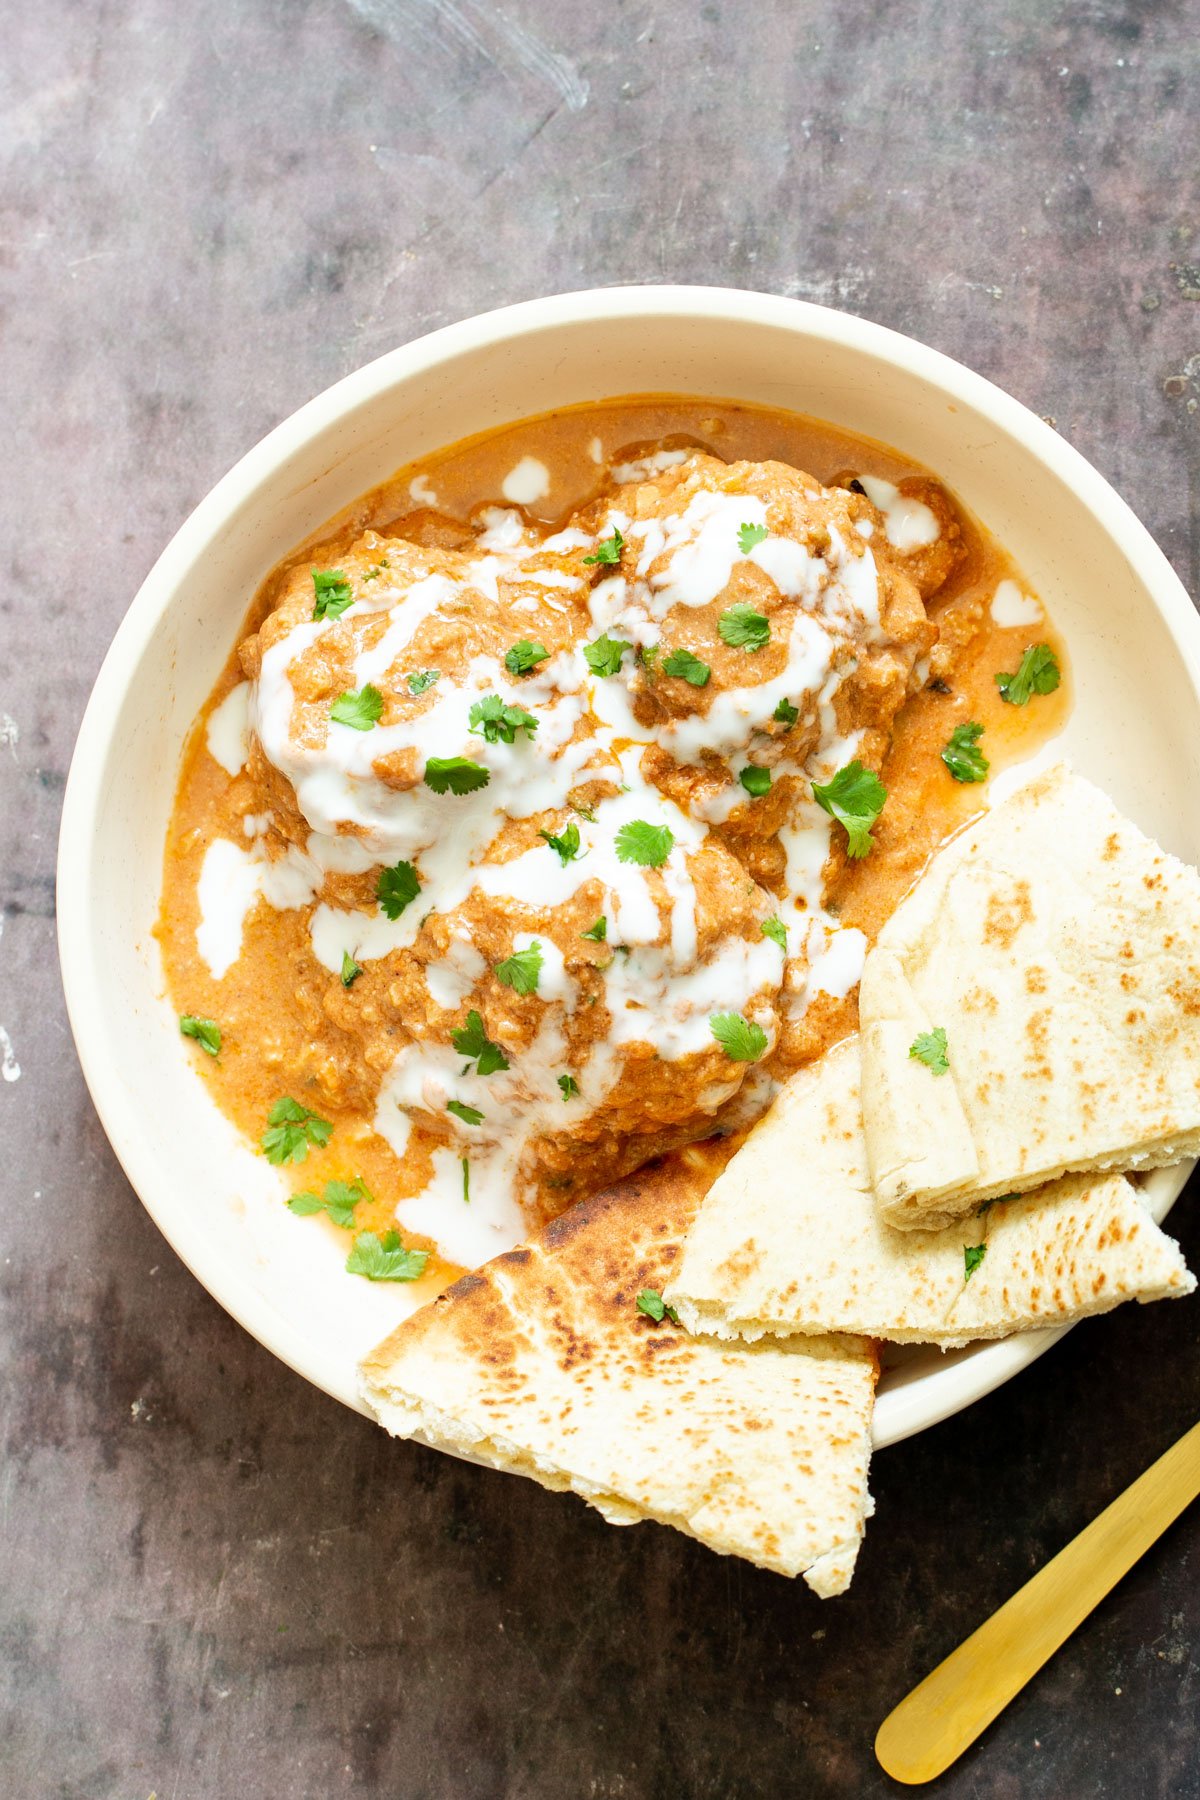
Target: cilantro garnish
(470, 1115)
(1037, 673)
(756, 781)
(396, 888)
(455, 774)
(785, 713)
(930, 1048)
(597, 932)
(749, 535)
(603, 657)
(973, 1255)
(744, 629)
(497, 721)
(466, 1169)
(651, 1303)
(521, 658)
(776, 931)
(420, 679)
(333, 594)
(645, 844)
(206, 1032)
(687, 667)
(385, 1258)
(351, 970)
(608, 550)
(648, 655)
(291, 1128)
(741, 1039)
(339, 1201)
(962, 755)
(471, 1040)
(566, 845)
(361, 710)
(855, 796)
(520, 971)
(569, 1086)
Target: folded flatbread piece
(789, 1239)
(1059, 950)
(541, 1363)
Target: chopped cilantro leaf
(648, 655)
(361, 710)
(597, 932)
(756, 781)
(1037, 673)
(471, 1040)
(651, 1303)
(385, 1258)
(749, 535)
(776, 931)
(291, 1128)
(785, 713)
(470, 1115)
(962, 755)
(744, 629)
(497, 721)
(466, 1169)
(420, 679)
(569, 1086)
(930, 1048)
(455, 774)
(604, 656)
(351, 970)
(396, 888)
(333, 593)
(856, 797)
(973, 1255)
(608, 550)
(339, 1201)
(206, 1032)
(688, 668)
(645, 844)
(520, 971)
(741, 1039)
(521, 658)
(566, 845)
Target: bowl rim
(114, 1104)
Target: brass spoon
(946, 1712)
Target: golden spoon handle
(947, 1711)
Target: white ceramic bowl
(1133, 635)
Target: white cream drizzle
(527, 481)
(1010, 607)
(227, 733)
(909, 523)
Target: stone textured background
(216, 1582)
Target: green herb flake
(422, 679)
(973, 1255)
(385, 1258)
(749, 535)
(351, 970)
(396, 888)
(332, 593)
(361, 710)
(566, 845)
(470, 1115)
(855, 797)
(742, 628)
(741, 1039)
(785, 713)
(756, 781)
(648, 655)
(647, 845)
(206, 1032)
(687, 667)
(931, 1049)
(291, 1129)
(598, 932)
(1037, 673)
(498, 721)
(466, 1169)
(651, 1303)
(776, 931)
(520, 971)
(523, 657)
(608, 550)
(603, 657)
(472, 1041)
(568, 1086)
(962, 755)
(339, 1201)
(455, 774)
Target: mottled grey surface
(216, 1582)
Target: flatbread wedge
(542, 1364)
(789, 1239)
(1058, 949)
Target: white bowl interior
(1131, 631)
